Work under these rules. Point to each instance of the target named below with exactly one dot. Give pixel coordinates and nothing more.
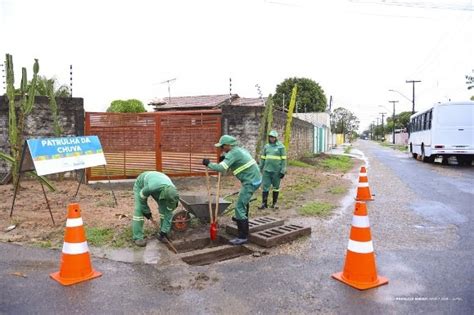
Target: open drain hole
(185, 246)
(216, 255)
(203, 251)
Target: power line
(420, 5)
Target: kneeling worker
(273, 167)
(244, 167)
(162, 190)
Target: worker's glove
(206, 162)
(221, 158)
(147, 215)
(282, 175)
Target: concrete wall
(243, 122)
(40, 122)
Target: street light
(412, 100)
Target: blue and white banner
(56, 155)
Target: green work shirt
(242, 165)
(273, 158)
(152, 184)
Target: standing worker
(244, 167)
(162, 190)
(273, 168)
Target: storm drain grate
(256, 225)
(279, 235)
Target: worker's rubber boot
(140, 243)
(243, 228)
(275, 199)
(264, 201)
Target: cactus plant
(18, 114)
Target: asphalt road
(421, 225)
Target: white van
(443, 131)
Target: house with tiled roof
(203, 102)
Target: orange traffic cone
(363, 190)
(359, 268)
(75, 259)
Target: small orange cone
(363, 190)
(360, 271)
(75, 259)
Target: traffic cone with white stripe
(363, 190)
(359, 270)
(75, 259)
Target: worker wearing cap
(273, 167)
(244, 167)
(162, 190)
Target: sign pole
(80, 182)
(17, 184)
(110, 185)
(47, 203)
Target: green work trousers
(245, 194)
(271, 179)
(138, 219)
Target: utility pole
(377, 127)
(169, 89)
(413, 82)
(383, 132)
(393, 121)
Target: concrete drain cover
(202, 251)
(269, 231)
(279, 235)
(256, 225)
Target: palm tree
(46, 87)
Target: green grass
(347, 150)
(99, 236)
(319, 209)
(123, 238)
(338, 190)
(298, 163)
(338, 163)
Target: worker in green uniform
(244, 167)
(162, 190)
(273, 167)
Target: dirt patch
(111, 226)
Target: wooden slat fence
(171, 142)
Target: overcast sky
(356, 50)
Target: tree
(126, 106)
(470, 81)
(401, 121)
(343, 121)
(310, 96)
